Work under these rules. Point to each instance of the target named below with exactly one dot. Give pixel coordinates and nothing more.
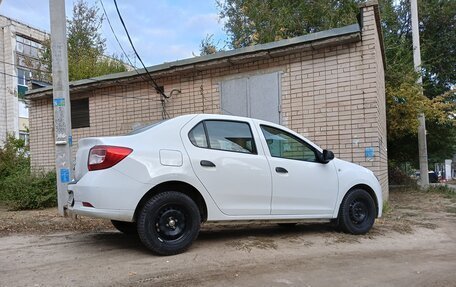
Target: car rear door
(301, 184)
(226, 159)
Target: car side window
(223, 135)
(285, 145)
(197, 136)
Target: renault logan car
(164, 180)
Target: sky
(161, 30)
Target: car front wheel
(169, 223)
(357, 212)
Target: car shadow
(214, 234)
(236, 232)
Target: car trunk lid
(82, 155)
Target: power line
(25, 67)
(126, 55)
(136, 53)
(115, 36)
(6, 74)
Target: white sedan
(164, 180)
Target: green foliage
(86, 46)
(387, 208)
(250, 22)
(438, 42)
(405, 99)
(19, 188)
(208, 46)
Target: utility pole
(422, 146)
(61, 101)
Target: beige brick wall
(334, 96)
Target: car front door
(225, 158)
(301, 184)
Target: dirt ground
(414, 244)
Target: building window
(80, 116)
(28, 47)
(24, 136)
(23, 109)
(22, 76)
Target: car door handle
(281, 170)
(207, 163)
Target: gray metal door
(256, 97)
(234, 97)
(264, 97)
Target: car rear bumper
(113, 214)
(105, 194)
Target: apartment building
(20, 48)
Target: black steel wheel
(169, 223)
(357, 212)
(125, 227)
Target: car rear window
(145, 128)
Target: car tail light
(105, 156)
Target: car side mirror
(326, 156)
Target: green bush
(396, 176)
(19, 187)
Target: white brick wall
(9, 114)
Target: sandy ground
(413, 245)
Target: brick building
(328, 86)
(20, 47)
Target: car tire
(357, 212)
(125, 227)
(169, 223)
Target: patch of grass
(387, 208)
(442, 189)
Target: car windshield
(145, 128)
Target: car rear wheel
(357, 212)
(125, 227)
(169, 223)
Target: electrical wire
(117, 39)
(24, 67)
(157, 88)
(164, 113)
(6, 74)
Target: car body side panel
(351, 175)
(239, 183)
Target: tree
(405, 98)
(208, 46)
(250, 22)
(86, 46)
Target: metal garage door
(255, 96)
